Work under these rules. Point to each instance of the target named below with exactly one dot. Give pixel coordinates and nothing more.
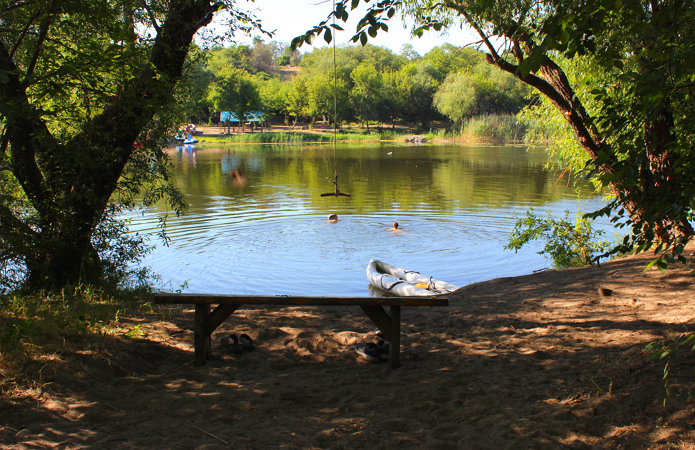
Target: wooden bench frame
(206, 321)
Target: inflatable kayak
(404, 283)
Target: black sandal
(246, 342)
(383, 347)
(369, 351)
(234, 347)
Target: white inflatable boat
(404, 283)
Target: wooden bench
(205, 321)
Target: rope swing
(334, 180)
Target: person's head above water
(333, 218)
(395, 225)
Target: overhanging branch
(23, 128)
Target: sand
(538, 361)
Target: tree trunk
(659, 134)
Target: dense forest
(372, 84)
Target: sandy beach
(534, 362)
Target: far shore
(322, 132)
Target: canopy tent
(254, 116)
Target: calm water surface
(271, 236)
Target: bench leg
(219, 315)
(395, 345)
(391, 327)
(380, 318)
(201, 339)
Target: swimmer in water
(333, 218)
(395, 227)
(239, 178)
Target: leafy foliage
(234, 90)
(86, 95)
(671, 350)
(568, 244)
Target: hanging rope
(337, 192)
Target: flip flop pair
(237, 345)
(373, 352)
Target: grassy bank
(494, 128)
(497, 128)
(298, 137)
(42, 335)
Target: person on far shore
(333, 218)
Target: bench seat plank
(294, 300)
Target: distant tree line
(372, 85)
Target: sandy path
(541, 361)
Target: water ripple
(272, 235)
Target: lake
(271, 236)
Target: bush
(568, 244)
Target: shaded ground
(540, 361)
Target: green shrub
(568, 244)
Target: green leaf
(363, 38)
(328, 36)
(297, 42)
(649, 266)
(564, 36)
(661, 264)
(618, 64)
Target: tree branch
(23, 33)
(9, 222)
(153, 18)
(120, 123)
(24, 128)
(45, 26)
(16, 6)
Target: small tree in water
(568, 244)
